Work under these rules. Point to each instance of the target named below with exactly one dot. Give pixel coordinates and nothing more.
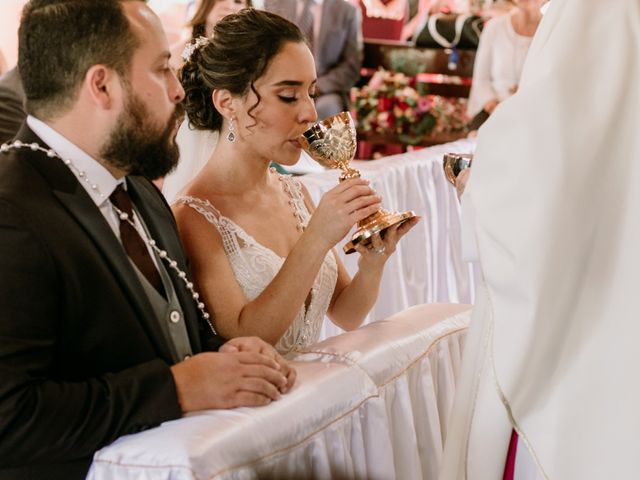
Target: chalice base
(375, 223)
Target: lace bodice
(255, 266)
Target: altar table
(427, 266)
(369, 404)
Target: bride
(261, 253)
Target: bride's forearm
(274, 310)
(356, 300)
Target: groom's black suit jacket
(82, 360)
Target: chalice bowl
(332, 143)
(454, 163)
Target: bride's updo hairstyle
(237, 54)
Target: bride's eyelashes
(293, 98)
(287, 99)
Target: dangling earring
(231, 136)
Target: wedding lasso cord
(162, 254)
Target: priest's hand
(461, 181)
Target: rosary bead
(123, 217)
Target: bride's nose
(308, 112)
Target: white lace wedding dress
(255, 266)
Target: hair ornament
(190, 48)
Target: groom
(100, 334)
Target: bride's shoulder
(191, 209)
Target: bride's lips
(295, 143)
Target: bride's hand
(378, 251)
(340, 208)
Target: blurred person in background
(206, 15)
(503, 48)
(333, 29)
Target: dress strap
(203, 207)
(293, 188)
(230, 232)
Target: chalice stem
(348, 172)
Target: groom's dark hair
(59, 40)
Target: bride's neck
(237, 172)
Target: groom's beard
(138, 146)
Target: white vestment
(555, 193)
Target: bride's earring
(231, 136)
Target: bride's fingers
(377, 243)
(408, 225)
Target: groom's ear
(101, 87)
(223, 100)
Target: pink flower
(377, 80)
(424, 104)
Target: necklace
(287, 189)
(123, 216)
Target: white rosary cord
(162, 254)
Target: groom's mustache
(178, 115)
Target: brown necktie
(133, 243)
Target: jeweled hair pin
(192, 47)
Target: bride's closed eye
(288, 99)
(293, 98)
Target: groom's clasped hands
(245, 372)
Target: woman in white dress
(503, 47)
(260, 252)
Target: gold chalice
(454, 163)
(332, 143)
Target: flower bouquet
(395, 104)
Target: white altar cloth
(369, 404)
(427, 266)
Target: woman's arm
(353, 298)
(482, 94)
(269, 315)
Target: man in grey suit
(334, 32)
(12, 112)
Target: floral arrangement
(393, 103)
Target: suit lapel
(83, 210)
